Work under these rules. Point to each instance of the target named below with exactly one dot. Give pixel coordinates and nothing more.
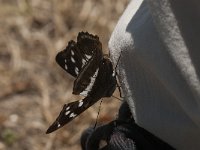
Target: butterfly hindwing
(92, 48)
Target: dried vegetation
(33, 88)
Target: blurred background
(33, 88)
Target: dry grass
(33, 87)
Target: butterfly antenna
(118, 60)
(119, 89)
(98, 114)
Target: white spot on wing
(72, 52)
(67, 113)
(80, 103)
(88, 56)
(72, 59)
(83, 62)
(94, 76)
(66, 67)
(114, 73)
(67, 108)
(58, 125)
(84, 93)
(89, 87)
(76, 70)
(72, 115)
(65, 60)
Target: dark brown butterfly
(94, 73)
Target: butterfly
(94, 74)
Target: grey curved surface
(159, 68)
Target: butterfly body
(95, 78)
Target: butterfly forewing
(89, 44)
(69, 112)
(81, 59)
(92, 48)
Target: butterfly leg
(95, 125)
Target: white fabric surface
(159, 68)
